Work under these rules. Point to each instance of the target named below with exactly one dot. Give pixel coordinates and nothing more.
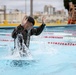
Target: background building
(49, 10)
(16, 15)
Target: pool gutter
(12, 27)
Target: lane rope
(56, 43)
(62, 43)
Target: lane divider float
(59, 37)
(55, 43)
(6, 40)
(63, 43)
(5, 34)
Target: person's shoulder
(20, 26)
(43, 24)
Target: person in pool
(26, 29)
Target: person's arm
(17, 30)
(38, 30)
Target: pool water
(53, 53)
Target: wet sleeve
(17, 30)
(38, 30)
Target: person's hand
(24, 21)
(43, 20)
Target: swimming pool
(53, 52)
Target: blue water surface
(48, 59)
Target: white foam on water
(49, 50)
(16, 57)
(17, 53)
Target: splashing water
(20, 51)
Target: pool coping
(12, 27)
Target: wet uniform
(26, 34)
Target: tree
(66, 3)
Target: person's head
(29, 23)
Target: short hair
(30, 19)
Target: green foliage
(66, 3)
